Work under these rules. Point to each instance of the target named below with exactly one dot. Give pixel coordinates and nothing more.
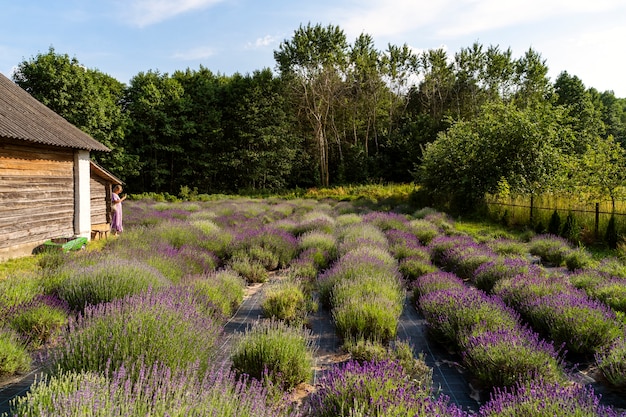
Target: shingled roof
(22, 117)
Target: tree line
(333, 112)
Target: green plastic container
(66, 244)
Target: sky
(586, 38)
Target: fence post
(532, 199)
(597, 225)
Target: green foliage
(13, 355)
(612, 362)
(224, 288)
(277, 352)
(551, 249)
(38, 323)
(252, 270)
(285, 301)
(519, 145)
(578, 258)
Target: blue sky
(587, 38)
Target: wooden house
(49, 187)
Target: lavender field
(136, 326)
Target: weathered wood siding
(36, 193)
(100, 190)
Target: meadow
(131, 325)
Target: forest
(462, 124)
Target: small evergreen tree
(611, 237)
(555, 224)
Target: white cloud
(263, 42)
(193, 54)
(147, 12)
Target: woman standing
(116, 210)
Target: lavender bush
(487, 274)
(505, 356)
(508, 247)
(539, 398)
(611, 360)
(550, 248)
(455, 313)
(374, 389)
(440, 244)
(157, 391)
(174, 326)
(361, 234)
(325, 243)
(224, 289)
(107, 280)
(465, 258)
(274, 351)
(387, 220)
(583, 324)
(280, 243)
(424, 230)
(252, 270)
(40, 320)
(412, 268)
(435, 281)
(287, 301)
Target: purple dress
(116, 218)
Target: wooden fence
(591, 217)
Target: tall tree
(314, 61)
(153, 101)
(584, 119)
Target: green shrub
(571, 229)
(277, 352)
(578, 259)
(224, 288)
(264, 256)
(40, 320)
(424, 230)
(550, 248)
(285, 301)
(612, 362)
(413, 267)
(13, 355)
(611, 236)
(253, 271)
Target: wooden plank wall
(99, 200)
(36, 193)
